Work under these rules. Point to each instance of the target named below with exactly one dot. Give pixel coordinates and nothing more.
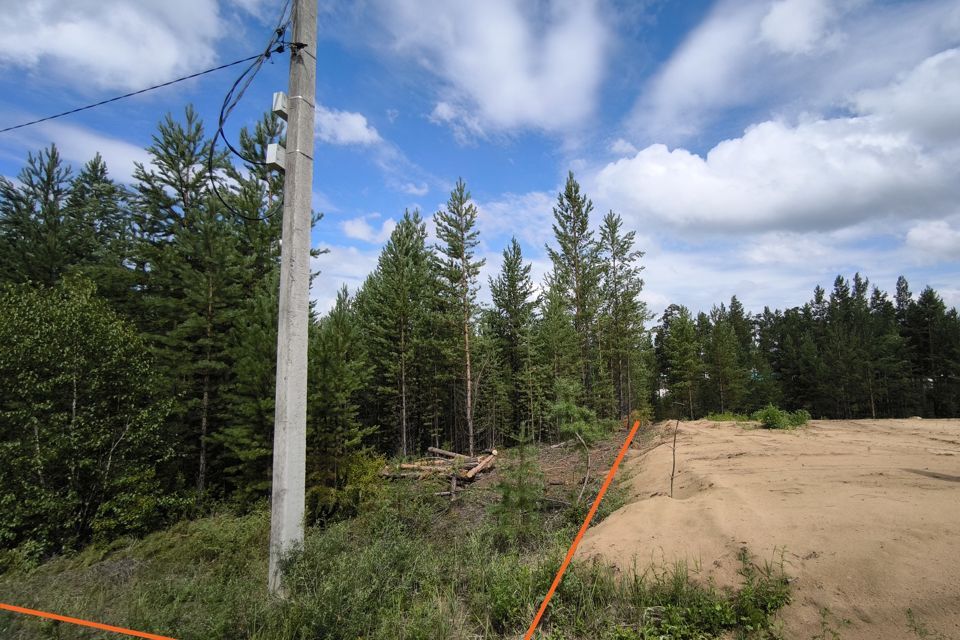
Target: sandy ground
(866, 515)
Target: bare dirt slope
(868, 512)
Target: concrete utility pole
(290, 423)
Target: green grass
(727, 416)
(769, 417)
(410, 566)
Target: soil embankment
(865, 513)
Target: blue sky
(757, 147)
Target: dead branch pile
(442, 463)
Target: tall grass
(408, 567)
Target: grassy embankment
(411, 565)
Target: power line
(136, 93)
(232, 98)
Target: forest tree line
(138, 342)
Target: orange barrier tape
(83, 623)
(583, 529)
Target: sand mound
(866, 515)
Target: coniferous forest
(138, 341)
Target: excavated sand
(866, 514)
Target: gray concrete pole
(290, 423)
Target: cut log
(485, 463)
(403, 474)
(448, 454)
(440, 465)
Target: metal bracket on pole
(276, 157)
(280, 105)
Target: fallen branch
(386, 473)
(485, 463)
(448, 454)
(586, 477)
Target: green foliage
(334, 434)
(511, 323)
(772, 417)
(521, 489)
(393, 572)
(726, 416)
(396, 305)
(576, 277)
(80, 421)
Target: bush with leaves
(80, 428)
(772, 417)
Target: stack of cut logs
(458, 467)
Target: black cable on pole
(134, 93)
(232, 98)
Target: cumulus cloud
(528, 216)
(78, 145)
(935, 240)
(797, 26)
(344, 127)
(360, 229)
(418, 189)
(820, 173)
(110, 43)
(622, 147)
(924, 101)
(341, 265)
(505, 63)
(788, 56)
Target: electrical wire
(232, 98)
(131, 94)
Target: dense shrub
(772, 417)
(80, 424)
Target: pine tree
(576, 272)
(724, 361)
(104, 236)
(458, 235)
(338, 371)
(680, 355)
(193, 281)
(622, 312)
(395, 309)
(38, 240)
(513, 305)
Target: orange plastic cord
(83, 623)
(583, 529)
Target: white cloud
(821, 173)
(464, 124)
(415, 189)
(935, 241)
(925, 101)
(110, 43)
(796, 26)
(342, 265)
(788, 56)
(78, 145)
(344, 127)
(505, 64)
(622, 147)
(360, 229)
(527, 216)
